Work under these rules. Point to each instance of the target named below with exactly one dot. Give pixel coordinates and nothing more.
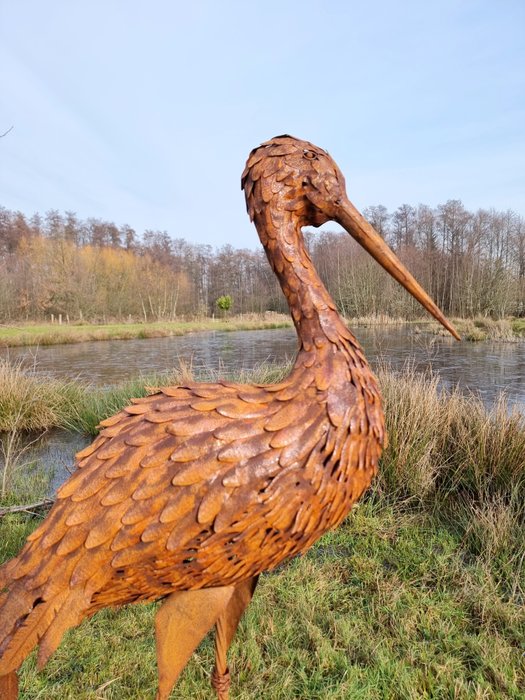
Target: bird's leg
(181, 622)
(225, 629)
(9, 686)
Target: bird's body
(195, 490)
(206, 485)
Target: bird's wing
(169, 482)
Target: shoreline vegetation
(419, 594)
(484, 328)
(39, 334)
(57, 334)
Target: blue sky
(144, 112)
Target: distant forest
(471, 263)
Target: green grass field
(55, 334)
(391, 605)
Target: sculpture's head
(294, 175)
(287, 174)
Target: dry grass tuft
(377, 320)
(482, 328)
(32, 401)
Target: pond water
(486, 368)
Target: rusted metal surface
(190, 493)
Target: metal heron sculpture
(189, 494)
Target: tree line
(471, 263)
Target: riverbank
(57, 334)
(483, 328)
(418, 595)
(62, 334)
(477, 329)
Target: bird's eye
(309, 155)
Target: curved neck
(313, 309)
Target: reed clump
(372, 320)
(451, 457)
(33, 401)
(483, 328)
(446, 442)
(444, 447)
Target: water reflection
(52, 452)
(109, 362)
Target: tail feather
(38, 611)
(45, 590)
(68, 615)
(27, 632)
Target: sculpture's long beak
(359, 228)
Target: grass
(381, 320)
(32, 401)
(419, 595)
(484, 328)
(385, 607)
(476, 329)
(54, 334)
(518, 326)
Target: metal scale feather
(195, 490)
